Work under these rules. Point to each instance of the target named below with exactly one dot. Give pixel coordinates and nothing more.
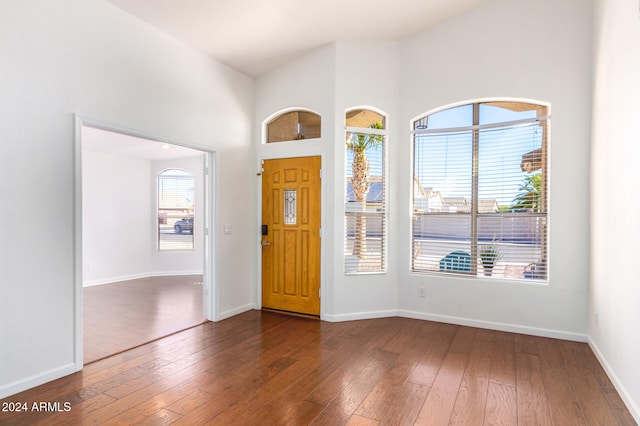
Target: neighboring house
(428, 200)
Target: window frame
(382, 211)
(164, 174)
(543, 118)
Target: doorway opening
(139, 278)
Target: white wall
(614, 312)
(60, 57)
(329, 81)
(119, 202)
(518, 49)
(307, 82)
(117, 225)
(367, 75)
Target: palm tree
(359, 143)
(530, 194)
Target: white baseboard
(37, 380)
(235, 311)
(359, 316)
(512, 328)
(622, 390)
(114, 279)
(556, 334)
(174, 273)
(111, 280)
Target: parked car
(184, 224)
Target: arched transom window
(293, 125)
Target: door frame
(323, 238)
(210, 289)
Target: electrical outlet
(422, 292)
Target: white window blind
(175, 210)
(365, 193)
(480, 191)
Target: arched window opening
(365, 119)
(294, 125)
(175, 210)
(365, 192)
(480, 190)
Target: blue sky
(445, 160)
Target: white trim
(386, 181)
(77, 246)
(498, 326)
(236, 311)
(37, 379)
(490, 325)
(473, 101)
(512, 123)
(120, 278)
(210, 289)
(361, 316)
(175, 273)
(632, 406)
(112, 280)
(211, 295)
(367, 130)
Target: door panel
(291, 248)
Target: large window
(480, 204)
(365, 206)
(175, 210)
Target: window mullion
(474, 190)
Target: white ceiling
(113, 143)
(255, 36)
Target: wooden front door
(291, 234)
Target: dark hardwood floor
(123, 315)
(263, 368)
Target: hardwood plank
(121, 315)
(395, 399)
(429, 364)
(356, 420)
(472, 396)
(503, 365)
(438, 406)
(334, 383)
(563, 404)
(161, 417)
(404, 406)
(351, 396)
(391, 391)
(261, 367)
(532, 400)
(591, 386)
(502, 405)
